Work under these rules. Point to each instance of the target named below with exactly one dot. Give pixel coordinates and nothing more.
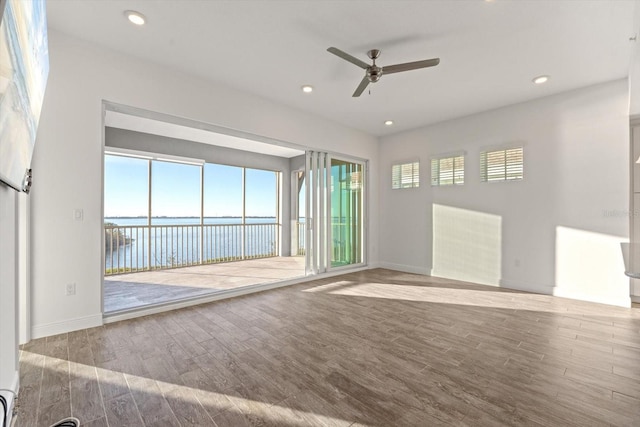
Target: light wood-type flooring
(374, 348)
(135, 290)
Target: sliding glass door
(346, 213)
(334, 212)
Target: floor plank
(371, 348)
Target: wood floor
(135, 290)
(376, 348)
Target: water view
(132, 245)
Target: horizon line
(168, 216)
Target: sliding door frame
(318, 219)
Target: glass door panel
(346, 213)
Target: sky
(176, 189)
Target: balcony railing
(301, 238)
(134, 248)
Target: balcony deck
(136, 290)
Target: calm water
(178, 241)
(187, 221)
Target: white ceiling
(489, 50)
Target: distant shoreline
(181, 217)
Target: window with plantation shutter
(447, 171)
(502, 165)
(405, 175)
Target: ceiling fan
(374, 72)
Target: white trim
(484, 174)
(406, 161)
(505, 146)
(437, 170)
(457, 153)
(621, 301)
(404, 268)
(145, 155)
(399, 167)
(64, 326)
(232, 293)
(526, 287)
(634, 298)
(502, 283)
(125, 152)
(465, 277)
(24, 268)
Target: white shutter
(458, 170)
(502, 165)
(405, 175)
(447, 170)
(435, 172)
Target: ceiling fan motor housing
(374, 73)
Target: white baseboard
(526, 287)
(635, 298)
(64, 326)
(620, 301)
(405, 268)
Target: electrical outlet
(71, 289)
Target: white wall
(634, 112)
(634, 66)
(67, 161)
(557, 231)
(8, 289)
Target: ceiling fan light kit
(373, 72)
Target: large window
(126, 187)
(261, 192)
(405, 175)
(223, 193)
(167, 213)
(502, 165)
(175, 192)
(447, 170)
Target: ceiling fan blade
(361, 87)
(390, 69)
(348, 57)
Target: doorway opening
(193, 210)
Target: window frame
(436, 175)
(505, 170)
(402, 181)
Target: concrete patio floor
(136, 290)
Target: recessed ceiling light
(307, 88)
(388, 122)
(135, 17)
(541, 79)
